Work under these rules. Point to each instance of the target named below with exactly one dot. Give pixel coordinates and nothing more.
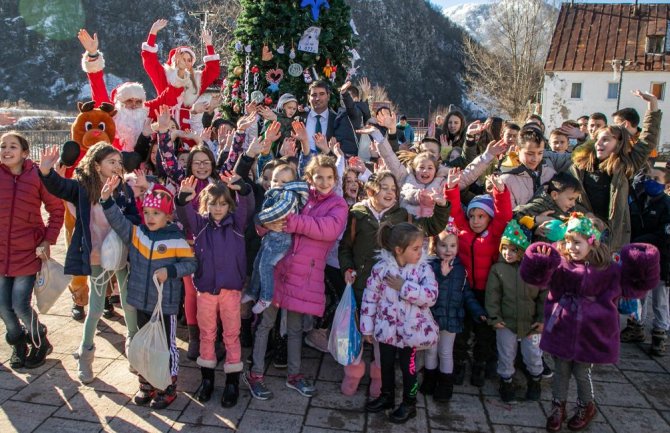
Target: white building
(590, 42)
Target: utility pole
(203, 16)
(618, 67)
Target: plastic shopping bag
(50, 283)
(345, 342)
(630, 307)
(114, 253)
(149, 353)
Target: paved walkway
(633, 396)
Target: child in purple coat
(581, 321)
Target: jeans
(273, 248)
(97, 303)
(225, 305)
(506, 341)
(563, 369)
(15, 296)
(294, 347)
(659, 304)
(407, 360)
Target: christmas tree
(280, 46)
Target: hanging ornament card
(309, 42)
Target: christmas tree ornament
(281, 49)
(247, 49)
(353, 26)
(257, 96)
(351, 72)
(255, 70)
(295, 70)
(267, 53)
(237, 71)
(268, 101)
(274, 77)
(309, 41)
(247, 66)
(307, 76)
(238, 46)
(328, 69)
(316, 6)
(291, 54)
(333, 74)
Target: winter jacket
(511, 300)
(78, 256)
(542, 203)
(454, 296)
(149, 251)
(299, 284)
(400, 318)
(219, 247)
(521, 184)
(350, 117)
(280, 202)
(252, 240)
(479, 252)
(581, 321)
(358, 246)
(23, 230)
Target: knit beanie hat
(285, 99)
(514, 235)
(483, 202)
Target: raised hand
(334, 147)
(543, 250)
(246, 122)
(496, 148)
(188, 186)
(163, 117)
(571, 131)
(438, 197)
(48, 158)
(497, 182)
(141, 179)
(453, 177)
(6, 119)
(229, 179)
(255, 147)
(288, 147)
(357, 164)
(345, 87)
(368, 129)
(444, 140)
(273, 132)
(266, 113)
(446, 266)
(321, 143)
(158, 25)
(146, 127)
(206, 134)
(89, 43)
(214, 102)
(652, 101)
(476, 128)
(108, 188)
(207, 36)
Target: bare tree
(375, 95)
(505, 70)
(221, 20)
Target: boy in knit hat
(515, 310)
(480, 231)
(157, 249)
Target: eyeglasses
(202, 163)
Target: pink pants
(190, 301)
(227, 305)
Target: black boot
(19, 351)
(204, 391)
(246, 338)
(108, 309)
(459, 372)
(385, 401)
(78, 313)
(404, 412)
(37, 355)
(478, 374)
(445, 388)
(506, 390)
(534, 388)
(232, 390)
(193, 350)
(429, 381)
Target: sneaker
(145, 394)
(318, 339)
(247, 298)
(163, 399)
(260, 306)
(78, 313)
(256, 386)
(301, 385)
(547, 372)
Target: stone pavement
(633, 396)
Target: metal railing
(40, 139)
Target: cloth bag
(630, 307)
(50, 283)
(345, 342)
(149, 353)
(114, 253)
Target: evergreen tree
(277, 26)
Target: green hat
(584, 226)
(514, 235)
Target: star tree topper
(316, 6)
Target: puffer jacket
(21, 197)
(299, 284)
(400, 318)
(479, 252)
(511, 300)
(454, 296)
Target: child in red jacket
(480, 230)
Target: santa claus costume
(167, 74)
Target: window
(658, 90)
(655, 45)
(612, 90)
(576, 91)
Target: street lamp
(618, 66)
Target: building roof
(588, 37)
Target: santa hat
(129, 90)
(159, 198)
(179, 50)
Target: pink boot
(376, 380)
(352, 377)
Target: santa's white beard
(129, 125)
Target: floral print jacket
(400, 318)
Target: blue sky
(445, 3)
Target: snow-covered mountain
(471, 17)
